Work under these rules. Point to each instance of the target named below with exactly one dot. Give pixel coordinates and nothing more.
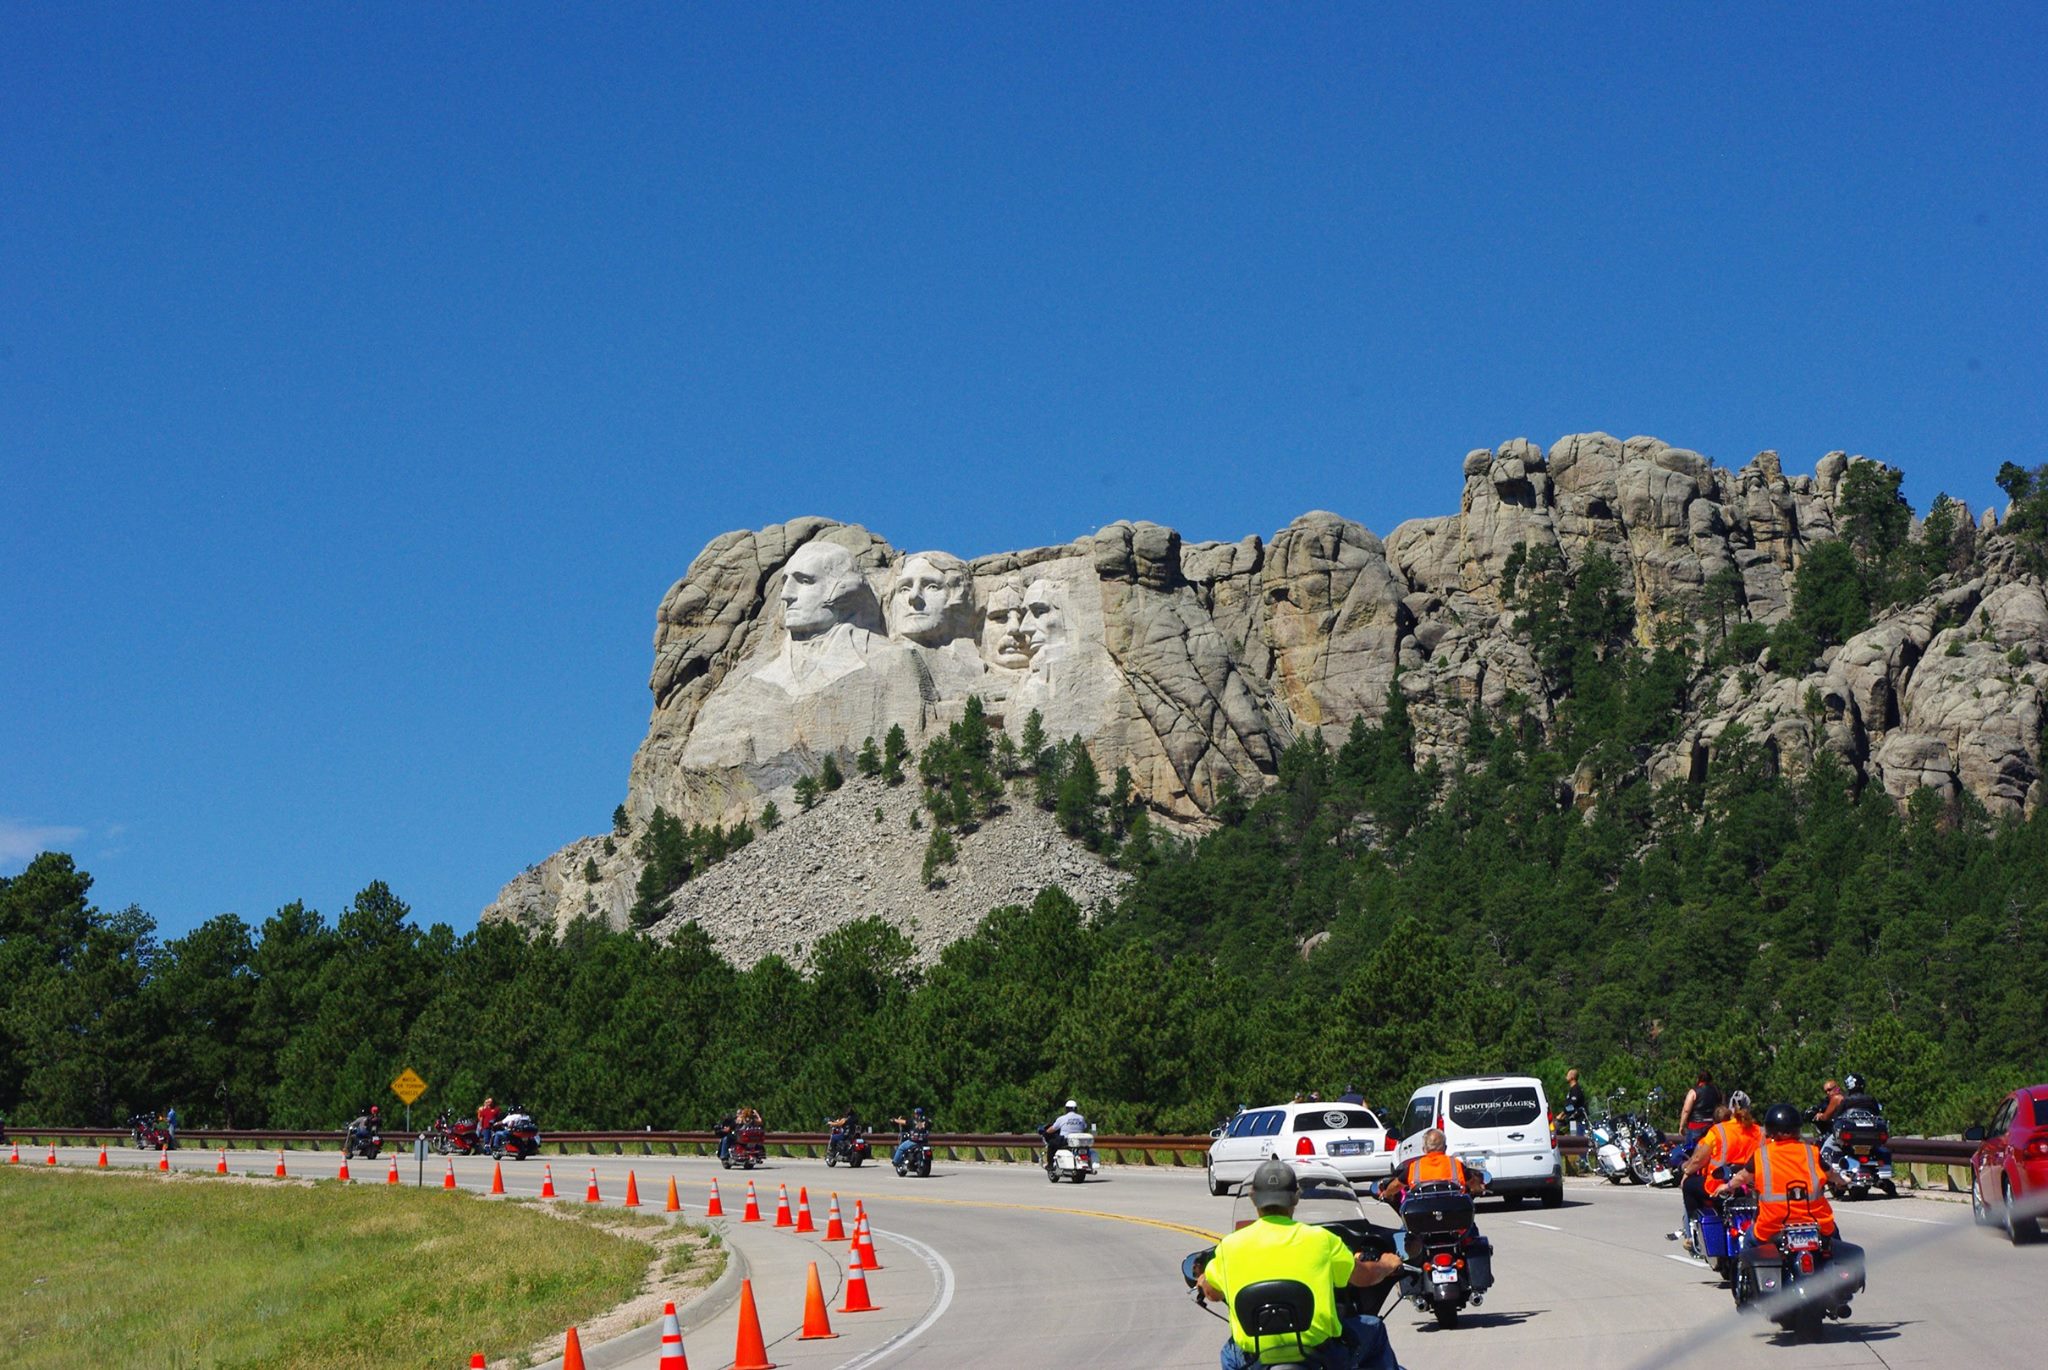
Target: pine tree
(829, 774)
(895, 750)
(807, 792)
(622, 826)
(590, 871)
(938, 852)
(771, 817)
(869, 761)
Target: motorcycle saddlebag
(1713, 1235)
(1479, 1264)
(1433, 1208)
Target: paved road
(990, 1265)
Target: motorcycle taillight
(1442, 1258)
(1883, 1137)
(1806, 1262)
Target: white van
(1497, 1123)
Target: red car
(2009, 1172)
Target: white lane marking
(940, 1271)
(1898, 1218)
(1684, 1260)
(1545, 1226)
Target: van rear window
(1508, 1106)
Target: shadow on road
(1845, 1333)
(1469, 1319)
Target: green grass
(119, 1270)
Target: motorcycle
(1450, 1264)
(918, 1160)
(1326, 1200)
(1622, 1146)
(449, 1137)
(362, 1139)
(749, 1147)
(1857, 1145)
(1796, 1280)
(149, 1134)
(850, 1146)
(516, 1135)
(1075, 1161)
(1717, 1231)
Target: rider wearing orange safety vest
(1784, 1163)
(1731, 1143)
(1434, 1165)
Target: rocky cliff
(1190, 663)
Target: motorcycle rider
(845, 1129)
(1783, 1161)
(1276, 1247)
(367, 1124)
(724, 1129)
(1059, 1129)
(1725, 1149)
(916, 1130)
(1434, 1164)
(1696, 1114)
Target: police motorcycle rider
(1059, 1130)
(1782, 1162)
(916, 1130)
(1276, 1247)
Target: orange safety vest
(1730, 1144)
(1431, 1166)
(1779, 1166)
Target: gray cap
(1738, 1100)
(1274, 1185)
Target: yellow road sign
(408, 1086)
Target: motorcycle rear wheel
(1446, 1314)
(1639, 1167)
(831, 1158)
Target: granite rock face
(1192, 663)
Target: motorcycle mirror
(1195, 1263)
(1974, 1132)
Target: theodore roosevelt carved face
(1023, 626)
(932, 599)
(820, 583)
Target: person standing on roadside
(486, 1120)
(1578, 1117)
(171, 1128)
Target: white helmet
(1072, 1104)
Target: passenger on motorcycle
(916, 1131)
(1782, 1162)
(1696, 1114)
(724, 1129)
(1725, 1149)
(1059, 1129)
(1830, 1104)
(1276, 1247)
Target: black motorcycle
(1858, 1145)
(363, 1138)
(517, 1136)
(847, 1144)
(918, 1160)
(1797, 1280)
(1451, 1264)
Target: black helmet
(1781, 1120)
(1853, 1084)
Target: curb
(645, 1341)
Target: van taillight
(1304, 1147)
(1391, 1143)
(1439, 1122)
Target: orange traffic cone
(14, 1157)
(103, 1155)
(816, 1325)
(590, 1195)
(476, 1361)
(572, 1352)
(856, 1288)
(547, 1182)
(53, 1155)
(221, 1168)
(714, 1209)
(392, 1178)
(803, 1210)
(279, 1172)
(632, 1191)
(672, 1357)
(835, 1226)
(674, 1204)
(449, 1181)
(497, 1178)
(749, 1352)
(782, 1218)
(163, 1158)
(864, 1238)
(342, 1176)
(751, 1215)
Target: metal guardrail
(1139, 1148)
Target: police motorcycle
(1075, 1161)
(1450, 1264)
(1327, 1200)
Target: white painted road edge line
(942, 1272)
(1895, 1218)
(1545, 1226)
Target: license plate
(1444, 1276)
(1347, 1148)
(1802, 1238)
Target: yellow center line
(1201, 1232)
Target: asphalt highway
(989, 1265)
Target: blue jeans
(1364, 1346)
(903, 1150)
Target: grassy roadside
(116, 1270)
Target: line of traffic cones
(803, 1210)
(103, 1155)
(714, 1209)
(163, 1157)
(279, 1172)
(751, 1215)
(392, 1178)
(782, 1218)
(449, 1181)
(590, 1195)
(835, 1226)
(547, 1182)
(632, 1199)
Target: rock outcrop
(1192, 663)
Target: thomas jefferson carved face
(932, 601)
(819, 582)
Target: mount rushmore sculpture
(1197, 664)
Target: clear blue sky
(367, 373)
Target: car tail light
(1304, 1147)
(1391, 1143)
(2036, 1147)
